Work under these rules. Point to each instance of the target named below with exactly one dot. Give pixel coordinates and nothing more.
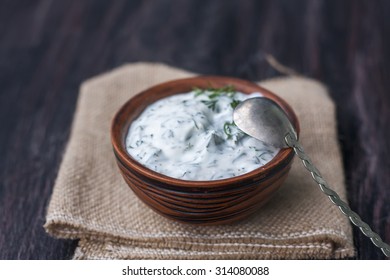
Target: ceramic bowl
(199, 202)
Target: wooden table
(47, 48)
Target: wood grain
(47, 48)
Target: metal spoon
(263, 119)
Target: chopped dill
(198, 91)
(189, 146)
(213, 92)
(234, 103)
(212, 104)
(227, 129)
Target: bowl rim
(203, 81)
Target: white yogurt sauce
(191, 136)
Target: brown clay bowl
(182, 203)
(227, 211)
(198, 202)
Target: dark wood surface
(47, 48)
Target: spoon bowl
(263, 119)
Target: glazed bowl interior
(136, 105)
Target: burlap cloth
(91, 201)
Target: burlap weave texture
(91, 201)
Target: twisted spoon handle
(292, 142)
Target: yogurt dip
(192, 136)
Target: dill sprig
(214, 93)
(232, 131)
(234, 103)
(228, 130)
(212, 104)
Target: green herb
(212, 104)
(139, 143)
(234, 103)
(214, 93)
(228, 130)
(196, 125)
(198, 91)
(157, 153)
(189, 146)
